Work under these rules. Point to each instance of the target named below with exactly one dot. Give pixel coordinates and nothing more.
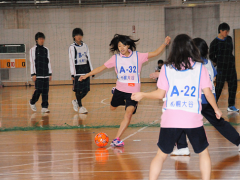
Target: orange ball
(101, 139)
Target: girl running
(127, 63)
(181, 82)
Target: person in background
(160, 64)
(221, 53)
(41, 72)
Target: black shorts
(169, 136)
(81, 86)
(123, 99)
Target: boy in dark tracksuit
(80, 64)
(41, 72)
(221, 49)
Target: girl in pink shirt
(180, 83)
(127, 63)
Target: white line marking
(104, 102)
(86, 172)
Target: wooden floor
(73, 155)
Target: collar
(222, 39)
(39, 45)
(205, 61)
(76, 44)
(129, 50)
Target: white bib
(127, 68)
(81, 54)
(183, 92)
(211, 74)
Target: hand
(137, 96)
(154, 75)
(34, 78)
(73, 78)
(50, 78)
(218, 113)
(82, 78)
(167, 40)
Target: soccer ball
(101, 139)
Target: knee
(128, 115)
(161, 155)
(38, 91)
(112, 108)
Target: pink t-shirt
(126, 87)
(179, 118)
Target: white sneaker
(83, 110)
(75, 105)
(33, 106)
(239, 147)
(181, 152)
(45, 110)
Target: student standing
(41, 72)
(80, 64)
(221, 49)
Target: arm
(93, 72)
(32, 64)
(158, 94)
(160, 49)
(49, 67)
(212, 101)
(71, 53)
(212, 51)
(154, 75)
(89, 60)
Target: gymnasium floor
(72, 154)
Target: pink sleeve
(142, 57)
(205, 81)
(111, 62)
(162, 80)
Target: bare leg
(205, 164)
(112, 108)
(156, 165)
(127, 118)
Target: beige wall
(99, 26)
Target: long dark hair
(183, 48)
(202, 47)
(126, 40)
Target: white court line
(86, 172)
(102, 101)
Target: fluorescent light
(12, 45)
(37, 2)
(43, 1)
(3, 2)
